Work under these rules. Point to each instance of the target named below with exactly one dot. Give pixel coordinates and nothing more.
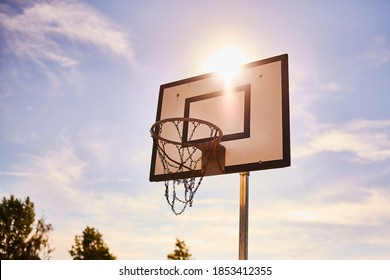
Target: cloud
(342, 214)
(53, 171)
(379, 52)
(111, 146)
(365, 139)
(14, 174)
(370, 210)
(49, 31)
(332, 86)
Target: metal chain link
(187, 160)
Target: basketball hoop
(194, 153)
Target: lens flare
(226, 62)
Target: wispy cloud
(379, 52)
(370, 210)
(58, 169)
(332, 87)
(365, 139)
(110, 145)
(14, 174)
(49, 31)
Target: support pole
(243, 238)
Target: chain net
(184, 156)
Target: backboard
(252, 112)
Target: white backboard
(253, 113)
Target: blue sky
(79, 84)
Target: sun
(226, 62)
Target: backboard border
(246, 88)
(286, 143)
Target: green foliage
(20, 238)
(90, 246)
(181, 252)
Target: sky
(79, 83)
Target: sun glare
(226, 62)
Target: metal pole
(243, 238)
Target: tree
(90, 246)
(21, 238)
(181, 252)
